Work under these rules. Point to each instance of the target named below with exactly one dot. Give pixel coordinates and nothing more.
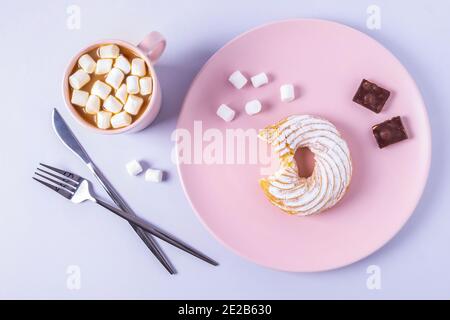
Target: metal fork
(77, 190)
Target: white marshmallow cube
(154, 175)
(122, 93)
(78, 79)
(253, 107)
(101, 89)
(133, 104)
(146, 85)
(108, 51)
(92, 104)
(112, 104)
(259, 80)
(237, 79)
(103, 119)
(87, 63)
(133, 84)
(115, 78)
(134, 168)
(225, 112)
(138, 67)
(79, 97)
(120, 120)
(123, 64)
(287, 92)
(103, 66)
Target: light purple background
(41, 234)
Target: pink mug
(149, 49)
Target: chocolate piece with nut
(371, 96)
(389, 132)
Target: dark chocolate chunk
(389, 132)
(371, 96)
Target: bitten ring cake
(332, 172)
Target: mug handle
(153, 45)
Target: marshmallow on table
(87, 63)
(134, 168)
(138, 67)
(103, 66)
(225, 112)
(259, 80)
(112, 104)
(287, 93)
(92, 104)
(146, 85)
(100, 89)
(103, 119)
(108, 51)
(121, 119)
(153, 175)
(253, 107)
(78, 79)
(79, 97)
(122, 93)
(133, 104)
(115, 78)
(132, 84)
(237, 79)
(123, 64)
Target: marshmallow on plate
(133, 104)
(121, 119)
(79, 97)
(237, 79)
(122, 93)
(134, 168)
(92, 104)
(225, 112)
(138, 67)
(123, 64)
(108, 51)
(115, 78)
(253, 107)
(103, 66)
(112, 104)
(100, 89)
(78, 79)
(87, 63)
(287, 93)
(103, 119)
(153, 175)
(133, 84)
(259, 80)
(146, 85)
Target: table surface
(43, 238)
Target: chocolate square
(389, 132)
(371, 96)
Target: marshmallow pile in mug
(110, 90)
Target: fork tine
(58, 183)
(68, 181)
(63, 192)
(67, 174)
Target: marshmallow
(146, 85)
(100, 89)
(121, 119)
(108, 51)
(287, 93)
(122, 93)
(103, 66)
(87, 63)
(134, 168)
(115, 78)
(123, 64)
(153, 175)
(225, 112)
(237, 79)
(138, 67)
(79, 97)
(78, 79)
(133, 104)
(104, 119)
(253, 107)
(133, 84)
(92, 104)
(259, 80)
(112, 104)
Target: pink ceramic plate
(326, 61)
